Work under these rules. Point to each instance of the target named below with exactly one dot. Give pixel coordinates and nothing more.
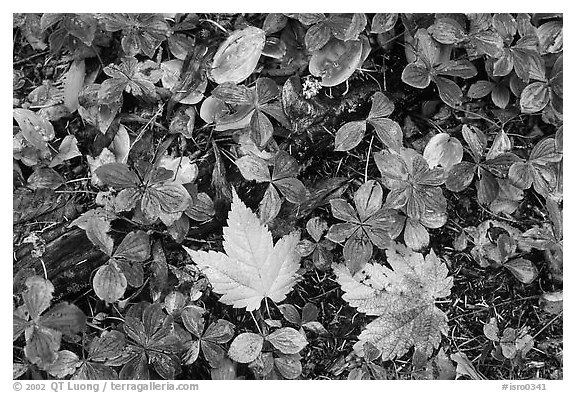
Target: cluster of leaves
(162, 71)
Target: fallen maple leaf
(403, 300)
(252, 267)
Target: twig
(491, 307)
(549, 323)
(15, 63)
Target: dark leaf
(523, 269)
(460, 176)
(134, 247)
(381, 23)
(480, 89)
(117, 175)
(270, 204)
(292, 189)
(253, 168)
(416, 76)
(449, 91)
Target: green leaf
(108, 346)
(317, 36)
(42, 345)
(45, 178)
(246, 347)
(460, 176)
(37, 296)
(534, 97)
(290, 313)
(402, 298)
(287, 340)
(65, 318)
(381, 106)
(117, 175)
(219, 332)
(416, 76)
(381, 23)
(238, 55)
(447, 31)
(292, 189)
(389, 132)
(65, 364)
(134, 247)
(480, 89)
(449, 91)
(349, 135)
(37, 130)
(109, 283)
(336, 61)
(523, 269)
(289, 366)
(270, 204)
(254, 168)
(443, 150)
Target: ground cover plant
(288, 196)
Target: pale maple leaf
(402, 298)
(252, 267)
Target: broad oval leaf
(416, 76)
(336, 61)
(45, 178)
(65, 318)
(534, 97)
(349, 135)
(289, 366)
(109, 283)
(480, 89)
(134, 247)
(117, 175)
(254, 168)
(382, 22)
(36, 129)
(293, 189)
(287, 340)
(443, 150)
(317, 36)
(37, 296)
(523, 269)
(389, 132)
(246, 347)
(449, 91)
(270, 204)
(238, 56)
(447, 31)
(381, 106)
(460, 176)
(368, 199)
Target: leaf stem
(256, 323)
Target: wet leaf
(246, 347)
(349, 135)
(238, 55)
(287, 340)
